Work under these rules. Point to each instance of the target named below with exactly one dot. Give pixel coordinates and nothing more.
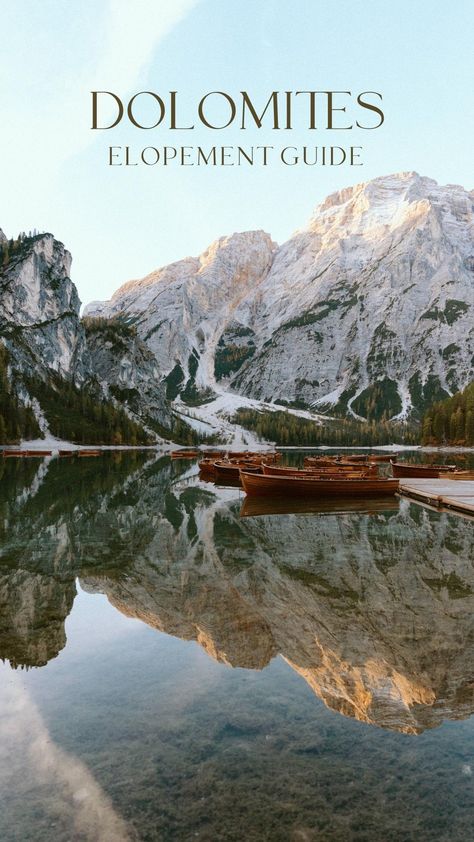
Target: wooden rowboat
(12, 452)
(322, 461)
(306, 486)
(406, 469)
(355, 457)
(38, 452)
(328, 461)
(276, 470)
(207, 467)
(267, 455)
(68, 452)
(89, 452)
(382, 457)
(228, 470)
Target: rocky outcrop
(127, 371)
(181, 310)
(366, 311)
(45, 339)
(39, 310)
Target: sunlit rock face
(181, 310)
(370, 304)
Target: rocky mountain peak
(369, 305)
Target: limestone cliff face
(127, 370)
(41, 328)
(181, 310)
(39, 310)
(373, 300)
(370, 305)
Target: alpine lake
(177, 665)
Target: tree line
(284, 428)
(451, 421)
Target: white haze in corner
(44, 131)
(35, 768)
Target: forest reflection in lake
(126, 732)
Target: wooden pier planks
(452, 494)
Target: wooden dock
(442, 493)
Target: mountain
(48, 365)
(366, 312)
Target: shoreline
(57, 444)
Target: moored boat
(335, 470)
(207, 467)
(355, 457)
(403, 470)
(89, 452)
(382, 457)
(263, 484)
(226, 470)
(12, 452)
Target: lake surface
(176, 667)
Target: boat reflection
(257, 506)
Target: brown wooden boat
(226, 470)
(307, 486)
(276, 470)
(68, 452)
(344, 468)
(407, 469)
(250, 454)
(207, 467)
(322, 461)
(38, 452)
(89, 452)
(382, 457)
(354, 457)
(13, 452)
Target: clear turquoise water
(174, 671)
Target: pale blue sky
(122, 223)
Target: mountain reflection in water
(372, 602)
